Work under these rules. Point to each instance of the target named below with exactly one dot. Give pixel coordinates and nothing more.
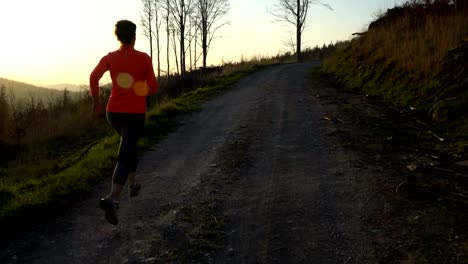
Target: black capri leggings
(130, 128)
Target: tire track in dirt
(294, 205)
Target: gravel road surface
(256, 176)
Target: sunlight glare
(141, 89)
(124, 80)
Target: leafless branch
(294, 12)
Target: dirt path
(257, 176)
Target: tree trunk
(182, 51)
(175, 51)
(298, 32)
(182, 40)
(158, 27)
(190, 49)
(195, 52)
(204, 46)
(298, 45)
(150, 39)
(159, 59)
(168, 40)
(151, 48)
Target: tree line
(187, 24)
(192, 24)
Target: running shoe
(110, 208)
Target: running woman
(133, 79)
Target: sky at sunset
(60, 41)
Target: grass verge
(38, 199)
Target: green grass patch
(38, 198)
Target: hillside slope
(23, 91)
(414, 57)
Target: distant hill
(23, 91)
(68, 86)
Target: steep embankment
(415, 58)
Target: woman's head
(125, 31)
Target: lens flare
(141, 88)
(124, 80)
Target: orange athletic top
(132, 77)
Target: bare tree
(174, 45)
(158, 19)
(147, 19)
(151, 21)
(191, 37)
(167, 17)
(195, 54)
(210, 13)
(192, 41)
(295, 12)
(181, 10)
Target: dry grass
(407, 59)
(401, 56)
(416, 44)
